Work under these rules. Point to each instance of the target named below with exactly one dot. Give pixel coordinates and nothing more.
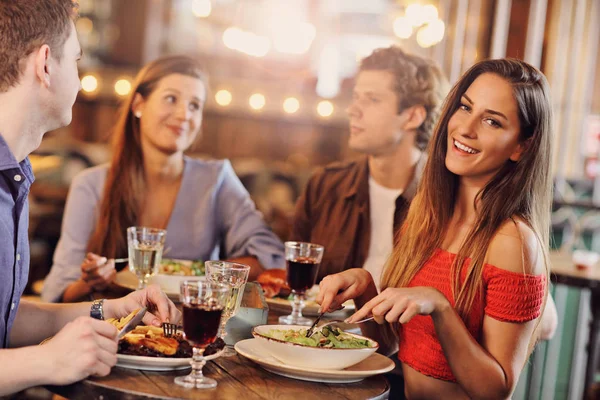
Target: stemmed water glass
(203, 303)
(235, 276)
(145, 248)
(303, 261)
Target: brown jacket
(334, 211)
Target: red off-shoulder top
(507, 296)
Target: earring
(138, 114)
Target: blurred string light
(201, 8)
(246, 42)
(89, 83)
(294, 38)
(84, 26)
(325, 108)
(123, 87)
(424, 19)
(257, 101)
(291, 105)
(431, 34)
(328, 72)
(402, 27)
(223, 97)
(286, 23)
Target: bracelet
(97, 310)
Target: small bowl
(302, 356)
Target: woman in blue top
(202, 204)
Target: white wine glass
(145, 248)
(235, 276)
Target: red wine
(200, 324)
(302, 273)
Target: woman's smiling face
(484, 131)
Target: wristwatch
(97, 310)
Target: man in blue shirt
(39, 82)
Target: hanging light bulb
(402, 27)
(291, 105)
(257, 101)
(223, 97)
(325, 108)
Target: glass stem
(197, 363)
(297, 306)
(222, 332)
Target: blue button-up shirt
(15, 180)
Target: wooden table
(563, 271)
(238, 378)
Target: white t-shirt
(383, 205)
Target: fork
(337, 321)
(169, 330)
(310, 330)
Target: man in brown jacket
(355, 208)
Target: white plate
(311, 307)
(157, 363)
(168, 283)
(374, 365)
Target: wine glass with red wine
(203, 303)
(303, 261)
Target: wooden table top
(563, 270)
(237, 377)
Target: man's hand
(82, 348)
(160, 308)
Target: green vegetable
(327, 337)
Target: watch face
(96, 310)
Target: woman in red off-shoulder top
(467, 281)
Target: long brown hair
(125, 185)
(520, 189)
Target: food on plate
(327, 337)
(273, 283)
(121, 322)
(150, 341)
(174, 267)
(214, 347)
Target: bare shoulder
(516, 248)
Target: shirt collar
(360, 185)
(8, 161)
(7, 158)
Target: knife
(133, 322)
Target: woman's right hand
(97, 271)
(335, 289)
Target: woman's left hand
(160, 308)
(402, 304)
